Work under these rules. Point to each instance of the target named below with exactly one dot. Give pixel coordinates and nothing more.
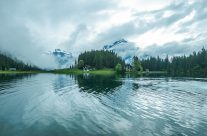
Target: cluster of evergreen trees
(155, 64)
(7, 62)
(99, 59)
(192, 65)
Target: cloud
(186, 47)
(154, 23)
(30, 28)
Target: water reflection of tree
(98, 84)
(11, 78)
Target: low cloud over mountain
(31, 28)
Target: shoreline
(20, 72)
(78, 71)
(102, 72)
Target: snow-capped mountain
(115, 44)
(64, 59)
(127, 50)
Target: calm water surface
(62, 105)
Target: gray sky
(28, 28)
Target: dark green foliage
(7, 62)
(80, 64)
(192, 65)
(156, 64)
(118, 68)
(136, 65)
(98, 84)
(100, 59)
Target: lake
(84, 105)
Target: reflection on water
(98, 84)
(9, 80)
(48, 104)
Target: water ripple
(48, 104)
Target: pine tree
(136, 65)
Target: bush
(80, 64)
(118, 68)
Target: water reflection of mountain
(63, 81)
(98, 84)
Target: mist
(29, 29)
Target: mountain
(127, 50)
(123, 48)
(64, 59)
(115, 44)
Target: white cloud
(29, 28)
(168, 13)
(144, 5)
(46, 34)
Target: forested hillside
(7, 62)
(192, 65)
(99, 59)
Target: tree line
(193, 65)
(99, 59)
(7, 62)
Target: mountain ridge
(123, 48)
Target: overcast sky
(29, 28)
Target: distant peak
(127, 50)
(120, 41)
(57, 50)
(64, 59)
(116, 43)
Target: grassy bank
(78, 71)
(145, 73)
(101, 72)
(19, 72)
(64, 71)
(154, 72)
(67, 71)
